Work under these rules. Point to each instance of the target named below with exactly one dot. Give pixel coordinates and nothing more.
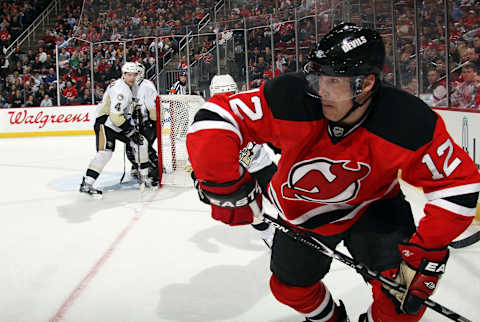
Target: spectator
(86, 97)
(52, 91)
(46, 101)
(30, 102)
(476, 42)
(17, 100)
(51, 76)
(3, 101)
(465, 90)
(437, 87)
(42, 56)
(70, 93)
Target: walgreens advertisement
(464, 126)
(44, 121)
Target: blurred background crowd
(71, 58)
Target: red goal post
(174, 115)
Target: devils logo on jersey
(325, 181)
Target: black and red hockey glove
(419, 271)
(233, 203)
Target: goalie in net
(145, 94)
(175, 113)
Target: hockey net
(176, 113)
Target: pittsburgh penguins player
(114, 122)
(344, 136)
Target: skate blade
(89, 196)
(144, 188)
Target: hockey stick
(136, 122)
(124, 166)
(311, 241)
(468, 241)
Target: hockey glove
(132, 133)
(419, 272)
(233, 203)
(135, 137)
(201, 194)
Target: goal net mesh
(176, 113)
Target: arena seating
(28, 75)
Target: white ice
(155, 256)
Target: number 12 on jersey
(448, 167)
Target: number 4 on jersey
(448, 167)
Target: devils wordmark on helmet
(348, 50)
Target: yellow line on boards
(56, 133)
(46, 133)
(477, 215)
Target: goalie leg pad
(141, 149)
(130, 154)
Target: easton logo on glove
(240, 202)
(430, 285)
(433, 267)
(242, 197)
(419, 272)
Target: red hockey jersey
(326, 180)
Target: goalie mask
(345, 54)
(140, 73)
(223, 84)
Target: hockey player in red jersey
(344, 136)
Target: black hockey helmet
(347, 50)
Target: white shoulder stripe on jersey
(252, 90)
(215, 125)
(453, 207)
(455, 191)
(212, 107)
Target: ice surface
(155, 256)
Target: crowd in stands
(29, 78)
(15, 15)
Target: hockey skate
(90, 190)
(342, 314)
(145, 183)
(134, 172)
(363, 317)
(266, 232)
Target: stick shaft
(309, 240)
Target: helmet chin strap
(356, 104)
